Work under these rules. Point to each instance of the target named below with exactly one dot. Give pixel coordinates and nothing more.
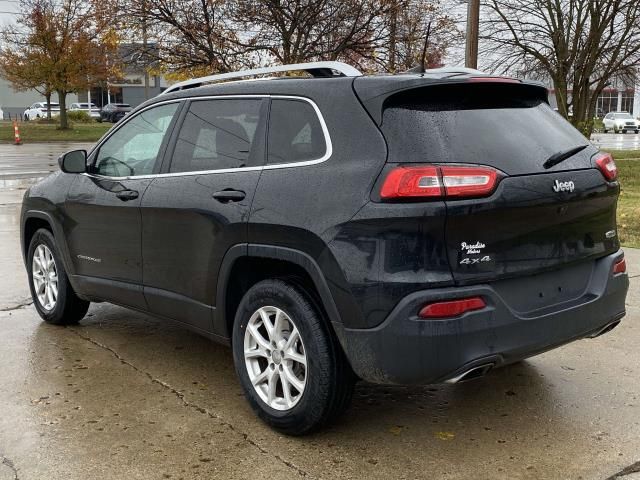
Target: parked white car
(92, 110)
(39, 110)
(1, 114)
(620, 122)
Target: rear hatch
(537, 217)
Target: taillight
(412, 182)
(620, 266)
(439, 181)
(451, 308)
(607, 166)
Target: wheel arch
(245, 264)
(32, 220)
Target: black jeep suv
(413, 228)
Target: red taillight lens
(607, 166)
(412, 182)
(620, 266)
(439, 181)
(451, 308)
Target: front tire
(293, 372)
(52, 294)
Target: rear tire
(325, 377)
(52, 294)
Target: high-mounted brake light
(494, 80)
(607, 166)
(451, 308)
(439, 181)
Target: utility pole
(473, 26)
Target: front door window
(134, 149)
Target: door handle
(225, 196)
(127, 195)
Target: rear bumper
(407, 350)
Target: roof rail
(316, 69)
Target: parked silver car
(620, 122)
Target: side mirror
(73, 162)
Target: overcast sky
(6, 7)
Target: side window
(134, 148)
(295, 133)
(217, 134)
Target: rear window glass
(509, 127)
(295, 133)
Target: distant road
(617, 141)
(34, 159)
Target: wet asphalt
(126, 396)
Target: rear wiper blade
(559, 157)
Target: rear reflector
(607, 166)
(451, 308)
(620, 266)
(439, 181)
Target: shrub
(79, 116)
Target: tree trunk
(48, 97)
(562, 100)
(62, 98)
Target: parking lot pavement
(617, 141)
(124, 395)
(33, 159)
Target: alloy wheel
(275, 358)
(45, 277)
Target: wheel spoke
(292, 339)
(257, 336)
(271, 386)
(261, 377)
(50, 296)
(286, 390)
(291, 378)
(255, 353)
(296, 357)
(266, 321)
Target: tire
(67, 308)
(604, 130)
(327, 380)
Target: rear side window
(217, 134)
(510, 127)
(295, 132)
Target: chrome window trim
(325, 131)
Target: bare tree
(189, 36)
(292, 31)
(580, 45)
(407, 24)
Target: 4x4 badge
(559, 186)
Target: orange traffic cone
(16, 134)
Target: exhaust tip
(606, 329)
(471, 374)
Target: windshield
(623, 115)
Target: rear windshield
(510, 127)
